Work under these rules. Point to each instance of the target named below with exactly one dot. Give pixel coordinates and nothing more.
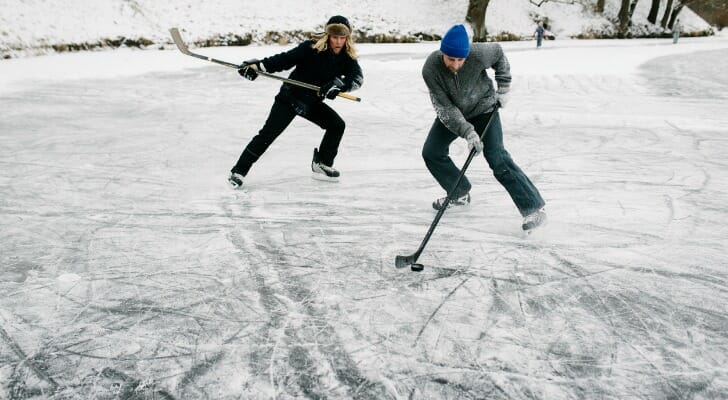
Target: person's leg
(519, 187)
(326, 118)
(281, 115)
(436, 153)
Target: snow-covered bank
(39, 26)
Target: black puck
(417, 267)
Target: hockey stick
(183, 48)
(411, 260)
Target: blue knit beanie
(455, 43)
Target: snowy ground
(129, 269)
(33, 27)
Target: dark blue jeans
(436, 153)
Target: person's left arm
(353, 77)
(502, 74)
(502, 69)
(350, 80)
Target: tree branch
(539, 3)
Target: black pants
(437, 158)
(281, 115)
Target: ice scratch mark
(303, 337)
(133, 388)
(419, 334)
(24, 359)
(196, 371)
(605, 305)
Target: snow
(130, 270)
(32, 27)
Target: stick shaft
(185, 50)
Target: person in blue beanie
(464, 97)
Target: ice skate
(236, 180)
(322, 172)
(461, 203)
(534, 220)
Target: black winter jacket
(316, 68)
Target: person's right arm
(448, 113)
(287, 59)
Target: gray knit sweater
(469, 92)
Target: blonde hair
(322, 43)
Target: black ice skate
(323, 172)
(236, 180)
(461, 202)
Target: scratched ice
(130, 270)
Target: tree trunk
(624, 18)
(678, 7)
(673, 15)
(600, 7)
(654, 9)
(631, 9)
(476, 17)
(666, 15)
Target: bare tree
(666, 15)
(654, 9)
(539, 3)
(675, 11)
(713, 11)
(631, 9)
(673, 15)
(476, 17)
(624, 17)
(600, 6)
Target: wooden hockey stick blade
(183, 48)
(177, 38)
(403, 261)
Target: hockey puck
(417, 267)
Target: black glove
(249, 69)
(331, 89)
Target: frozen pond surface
(130, 270)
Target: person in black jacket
(330, 63)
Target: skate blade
(455, 209)
(323, 178)
(534, 231)
(235, 186)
